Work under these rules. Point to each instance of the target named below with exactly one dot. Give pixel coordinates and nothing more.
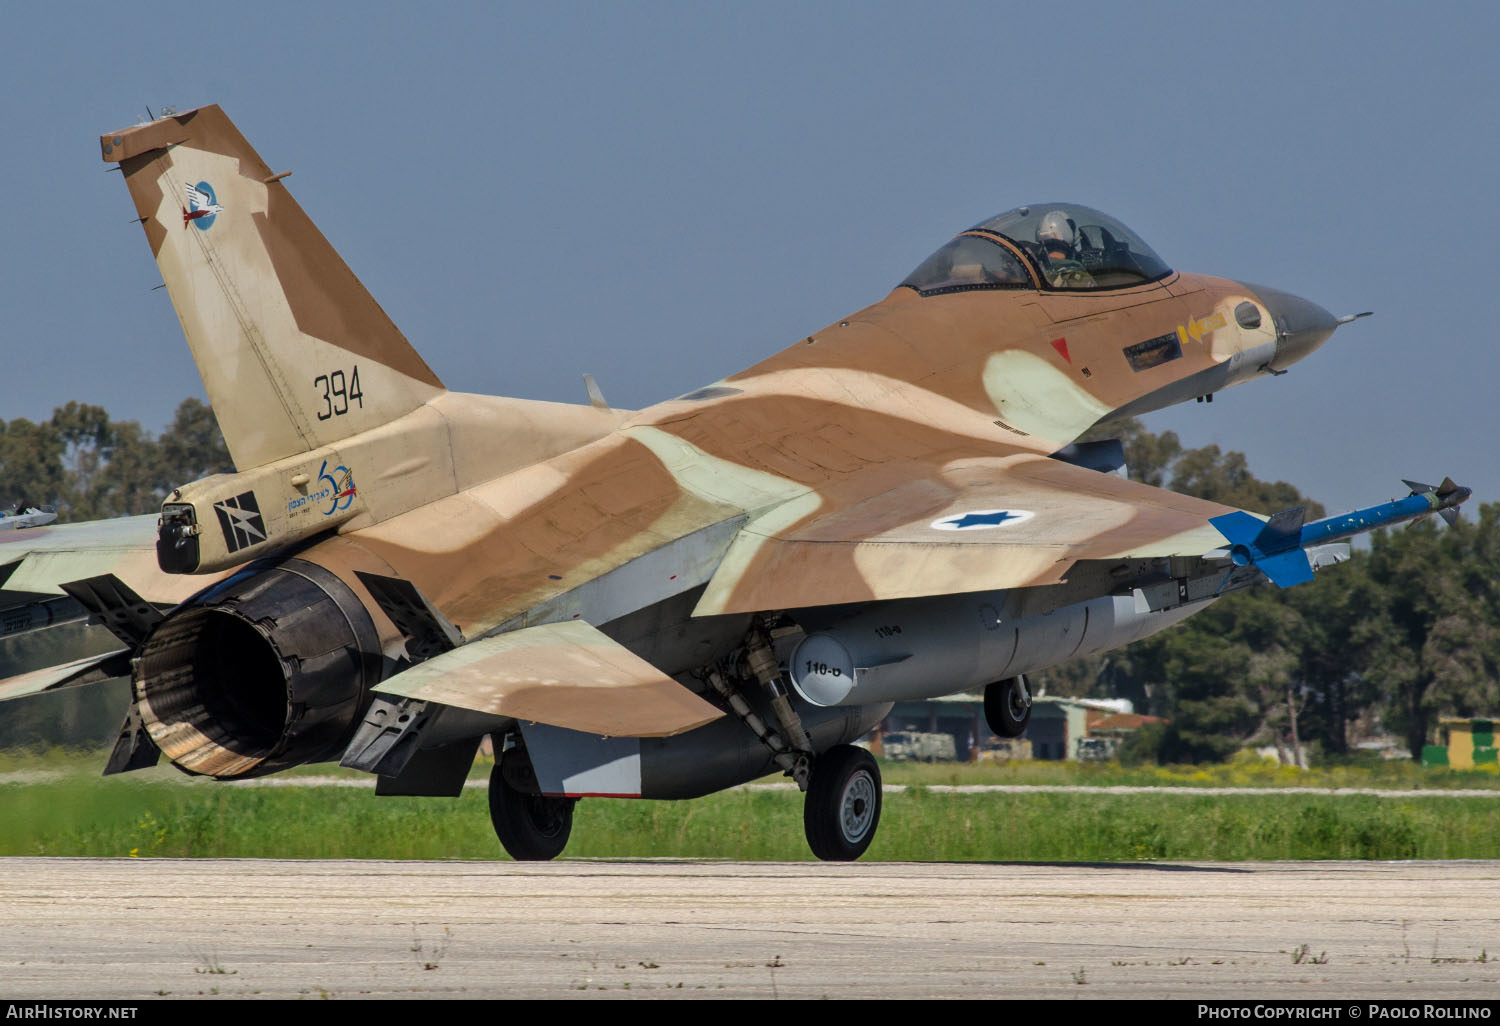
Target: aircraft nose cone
(1301, 325)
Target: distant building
(1060, 728)
(961, 716)
(1462, 744)
(1109, 731)
(1087, 729)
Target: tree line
(91, 467)
(1405, 632)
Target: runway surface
(143, 929)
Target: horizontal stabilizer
(33, 562)
(88, 670)
(564, 674)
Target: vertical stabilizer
(293, 351)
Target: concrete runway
(128, 929)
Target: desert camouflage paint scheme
(616, 597)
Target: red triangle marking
(1061, 345)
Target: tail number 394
(338, 391)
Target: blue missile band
(1349, 524)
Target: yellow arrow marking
(1197, 329)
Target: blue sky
(663, 193)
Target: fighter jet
(666, 602)
(23, 514)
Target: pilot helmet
(1055, 227)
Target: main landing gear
(841, 785)
(842, 807)
(1007, 706)
(532, 827)
(841, 804)
(840, 811)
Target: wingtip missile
(1276, 547)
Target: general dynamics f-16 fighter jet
(663, 603)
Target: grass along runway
(50, 808)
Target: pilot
(1057, 237)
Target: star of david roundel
(982, 519)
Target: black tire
(1007, 707)
(842, 808)
(531, 827)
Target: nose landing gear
(1007, 706)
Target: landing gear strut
(532, 827)
(1007, 706)
(842, 807)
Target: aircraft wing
(89, 669)
(981, 524)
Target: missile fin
(1286, 569)
(1239, 528)
(1263, 537)
(1283, 531)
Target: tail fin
(294, 353)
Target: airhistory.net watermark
(48, 1010)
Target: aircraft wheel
(1007, 706)
(531, 827)
(842, 807)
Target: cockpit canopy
(1054, 245)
